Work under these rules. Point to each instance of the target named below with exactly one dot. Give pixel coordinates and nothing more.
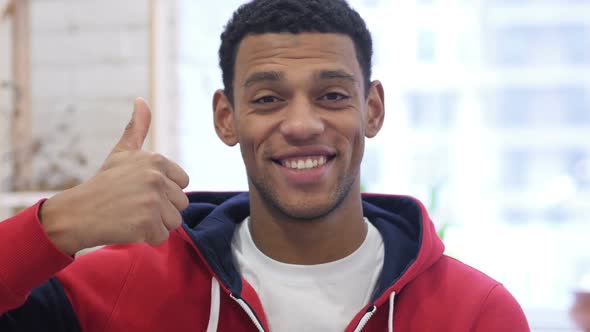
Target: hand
(135, 197)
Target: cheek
(354, 132)
(357, 148)
(351, 129)
(253, 136)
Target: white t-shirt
(322, 297)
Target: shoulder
(468, 283)
(484, 303)
(454, 276)
(456, 273)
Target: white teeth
(302, 164)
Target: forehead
(295, 53)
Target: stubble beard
(304, 210)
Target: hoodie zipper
(241, 302)
(365, 319)
(248, 311)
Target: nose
(301, 122)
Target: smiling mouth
(304, 163)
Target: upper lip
(304, 152)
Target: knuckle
(158, 159)
(185, 202)
(176, 221)
(154, 178)
(151, 200)
(157, 237)
(185, 180)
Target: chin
(301, 206)
(305, 211)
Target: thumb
(137, 128)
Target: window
(541, 44)
(523, 107)
(431, 110)
(426, 46)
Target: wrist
(55, 220)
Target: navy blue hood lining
(401, 237)
(211, 219)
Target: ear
(375, 109)
(223, 117)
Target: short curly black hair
(293, 16)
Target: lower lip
(307, 176)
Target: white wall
(90, 59)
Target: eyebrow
(275, 76)
(334, 74)
(262, 76)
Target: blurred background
(488, 117)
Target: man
(301, 251)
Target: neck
(308, 242)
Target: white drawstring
(215, 300)
(391, 304)
(214, 312)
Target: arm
(27, 259)
(135, 197)
(501, 312)
(47, 308)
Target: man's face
(300, 116)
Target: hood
(411, 243)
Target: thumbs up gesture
(135, 197)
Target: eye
(266, 100)
(334, 96)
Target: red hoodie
(189, 283)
